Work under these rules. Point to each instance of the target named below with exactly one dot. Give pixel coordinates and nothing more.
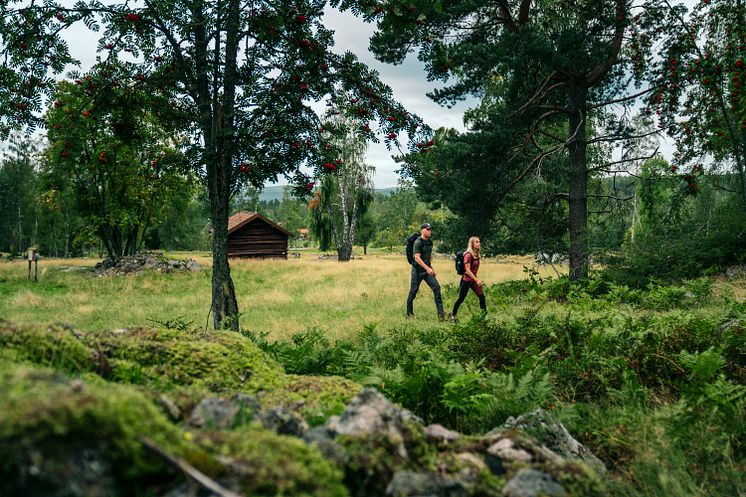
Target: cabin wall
(258, 239)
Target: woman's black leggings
(463, 290)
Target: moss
(373, 458)
(53, 428)
(56, 347)
(315, 397)
(267, 464)
(164, 359)
(576, 478)
(187, 365)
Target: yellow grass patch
(280, 297)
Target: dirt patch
(134, 264)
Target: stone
(505, 449)
(473, 464)
(554, 436)
(531, 483)
(283, 421)
(368, 413)
(214, 413)
(193, 265)
(438, 433)
(734, 271)
(322, 438)
(407, 483)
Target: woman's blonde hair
(470, 246)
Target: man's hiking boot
(410, 317)
(441, 316)
(453, 317)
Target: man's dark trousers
(417, 276)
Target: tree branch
(622, 99)
(616, 45)
(189, 470)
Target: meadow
(651, 379)
(276, 297)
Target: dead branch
(603, 167)
(622, 99)
(189, 470)
(540, 92)
(612, 138)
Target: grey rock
(323, 439)
(734, 271)
(438, 433)
(531, 483)
(283, 421)
(505, 449)
(369, 412)
(553, 435)
(193, 265)
(472, 465)
(413, 484)
(214, 413)
(732, 325)
(80, 472)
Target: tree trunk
(344, 245)
(224, 303)
(219, 148)
(578, 201)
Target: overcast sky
(408, 82)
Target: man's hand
(431, 271)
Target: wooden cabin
(252, 235)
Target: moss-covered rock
(62, 436)
(187, 365)
(55, 346)
(265, 464)
(164, 359)
(67, 437)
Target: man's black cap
(426, 226)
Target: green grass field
(277, 297)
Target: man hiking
(422, 270)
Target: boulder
(283, 421)
(532, 483)
(372, 413)
(214, 413)
(554, 436)
(438, 433)
(412, 484)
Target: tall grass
(275, 297)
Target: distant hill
(274, 192)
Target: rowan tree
(242, 74)
(116, 157)
(700, 86)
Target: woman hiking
(469, 278)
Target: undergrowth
(650, 379)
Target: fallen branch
(190, 470)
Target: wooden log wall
(258, 239)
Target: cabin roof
(242, 218)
